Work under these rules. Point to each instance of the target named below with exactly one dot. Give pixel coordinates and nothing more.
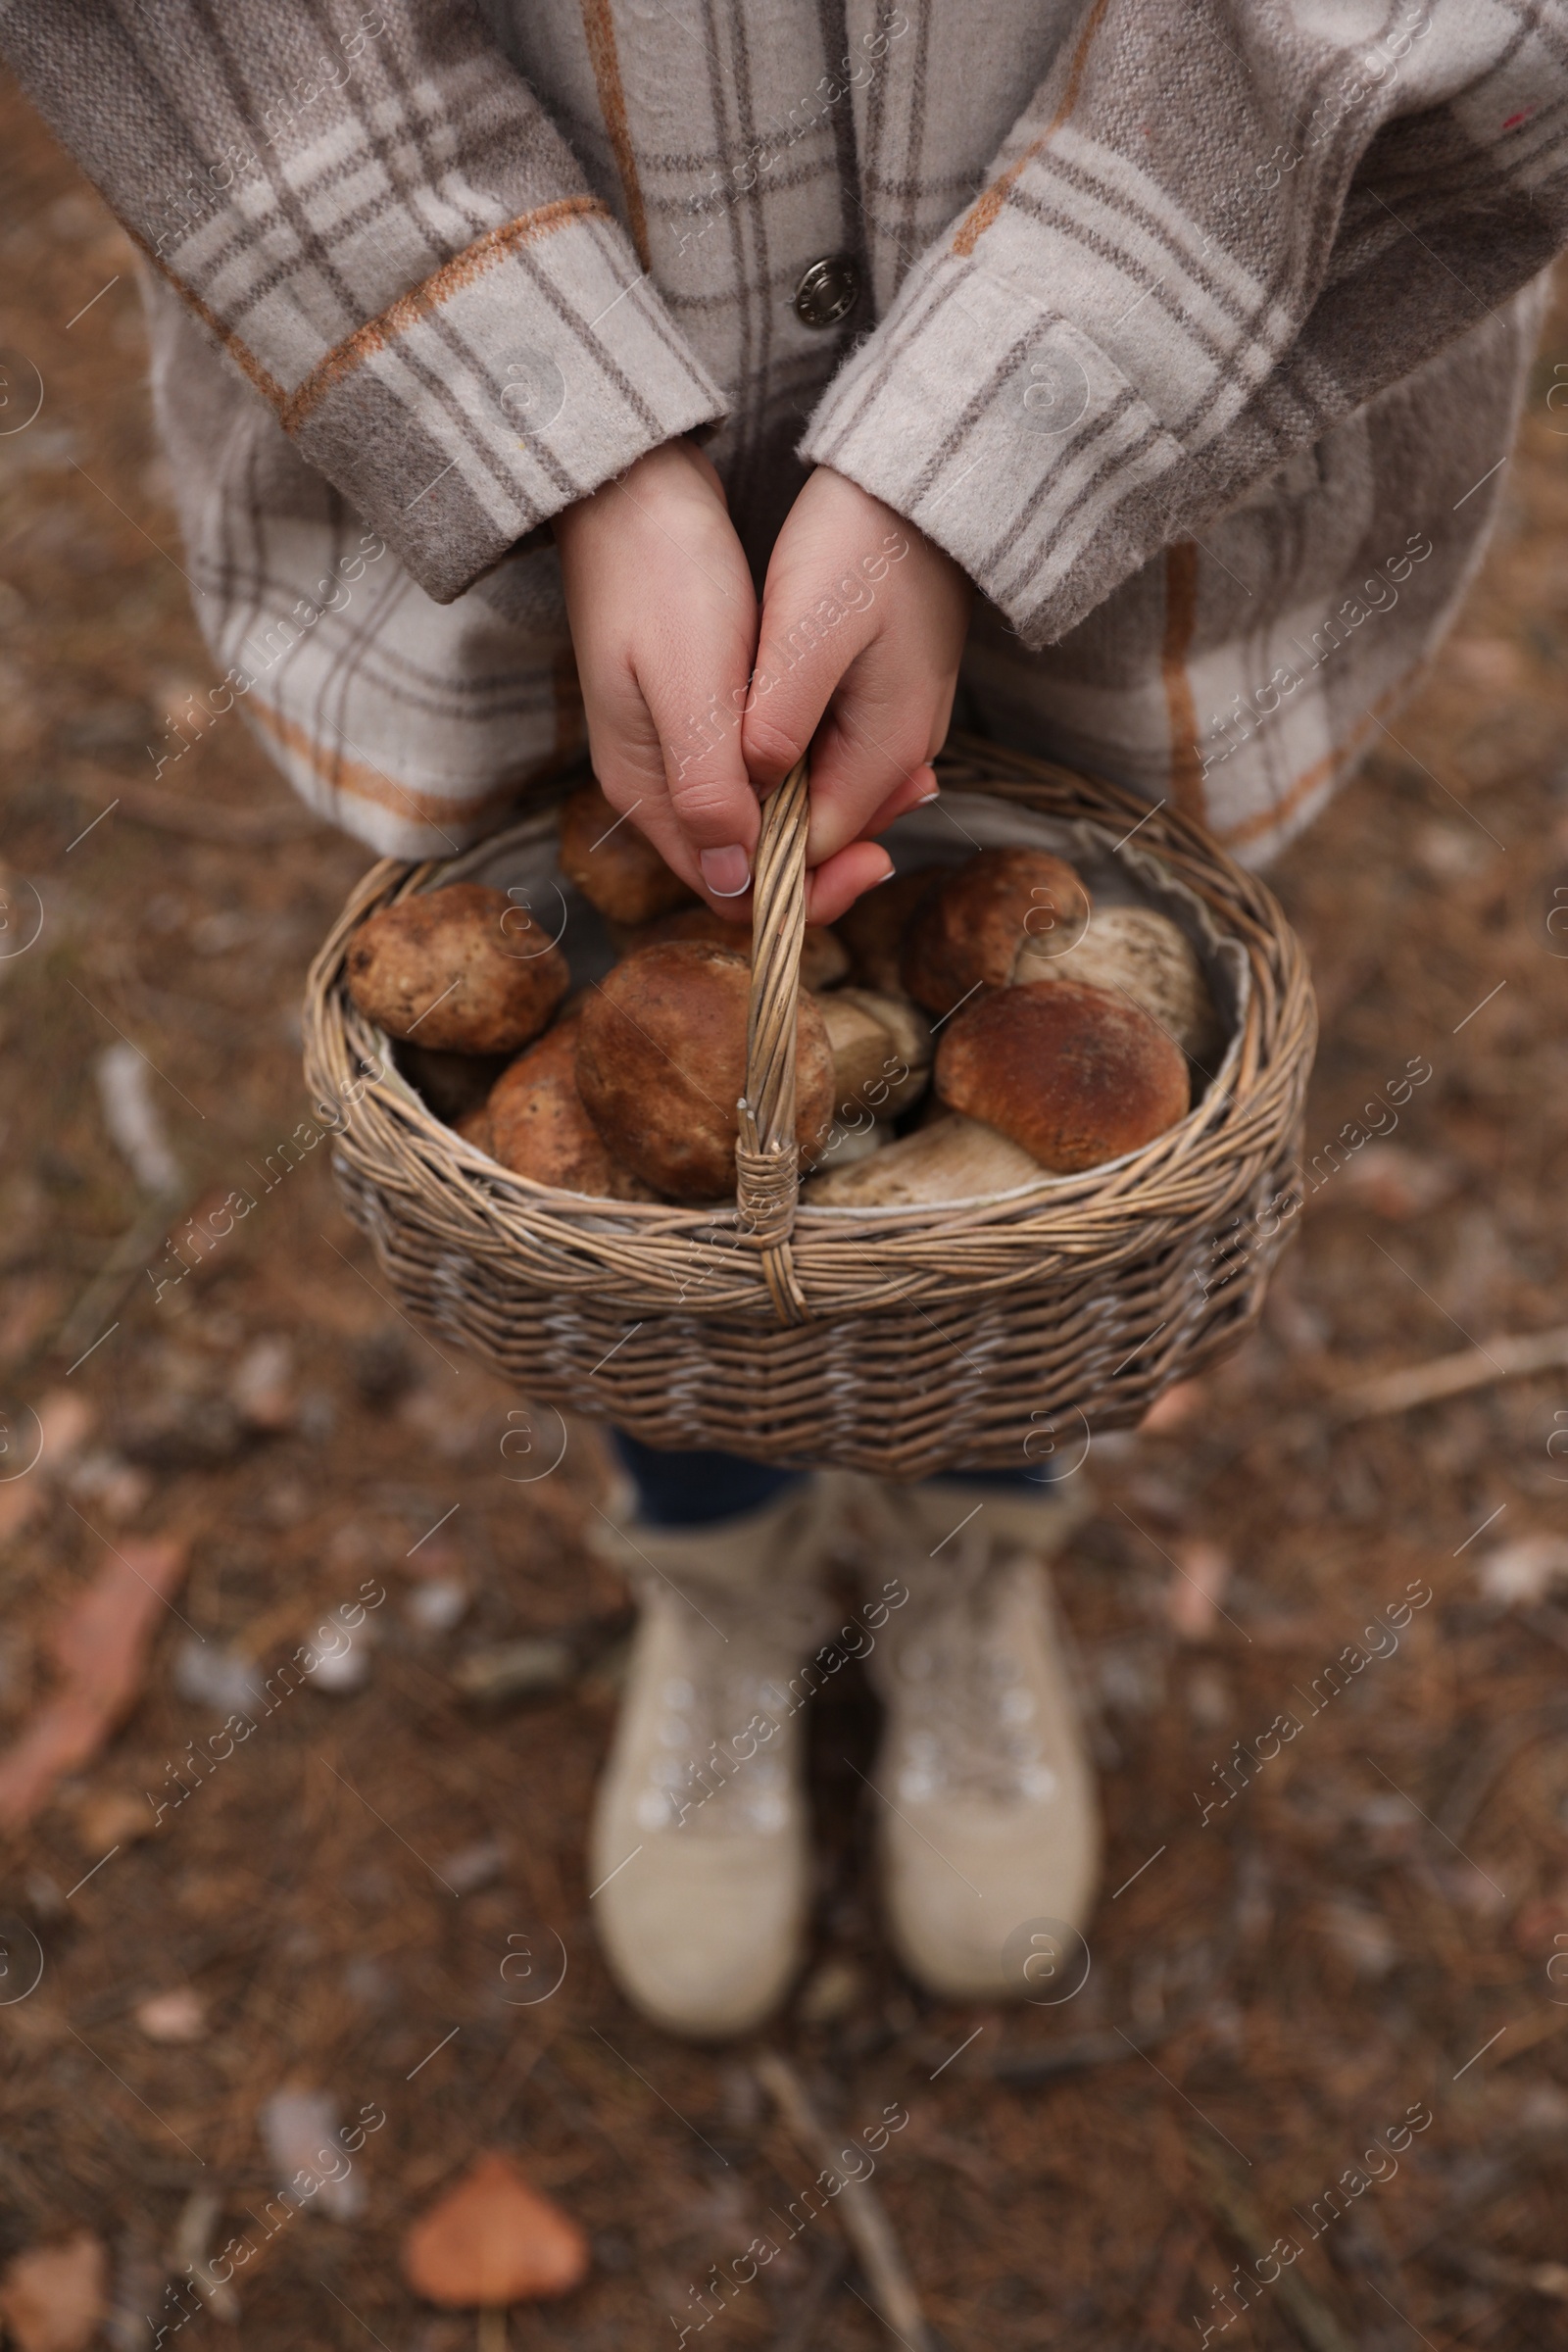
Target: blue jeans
(699, 1489)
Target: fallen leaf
(99, 1645)
(1490, 662)
(261, 1389)
(338, 1657)
(491, 2239)
(300, 2129)
(1541, 1926)
(115, 1487)
(437, 1603)
(134, 1121)
(211, 1675)
(64, 1417)
(1448, 853)
(830, 1993)
(527, 1669)
(1525, 1571)
(1211, 1701)
(1469, 1888)
(475, 1866)
(110, 1817)
(1360, 1935)
(52, 2298)
(1175, 1408)
(1201, 1571)
(1397, 1183)
(176, 2016)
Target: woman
(1143, 385)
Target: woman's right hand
(664, 620)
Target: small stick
(865, 2223)
(1450, 1376)
(1301, 2306)
(492, 2335)
(799, 2331)
(188, 2253)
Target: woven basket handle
(767, 1159)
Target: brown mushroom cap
(450, 1083)
(1073, 1074)
(616, 868)
(661, 1065)
(538, 1126)
(1137, 952)
(461, 969)
(873, 928)
(474, 1125)
(824, 958)
(491, 2239)
(969, 934)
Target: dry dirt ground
(1366, 1930)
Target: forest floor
(1366, 1931)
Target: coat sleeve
(1214, 231)
(376, 220)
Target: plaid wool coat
(1193, 329)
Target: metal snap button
(828, 291)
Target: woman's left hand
(864, 625)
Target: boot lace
(966, 1721)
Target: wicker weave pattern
(985, 1334)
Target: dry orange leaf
(493, 2240)
(1175, 1408)
(52, 2299)
(99, 1647)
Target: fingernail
(935, 794)
(727, 872)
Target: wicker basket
(980, 1333)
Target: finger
(629, 761)
(831, 890)
(918, 787)
(811, 635)
(874, 749)
(710, 803)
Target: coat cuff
(1007, 435)
(524, 373)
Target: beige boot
(989, 1824)
(699, 1856)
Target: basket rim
(1078, 1215)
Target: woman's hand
(864, 625)
(664, 620)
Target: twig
(1055, 2059)
(866, 2224)
(205, 821)
(1299, 2305)
(1489, 1758)
(1548, 2280)
(125, 1261)
(798, 2332)
(1448, 1376)
(188, 2252)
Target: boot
(699, 1858)
(989, 1823)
